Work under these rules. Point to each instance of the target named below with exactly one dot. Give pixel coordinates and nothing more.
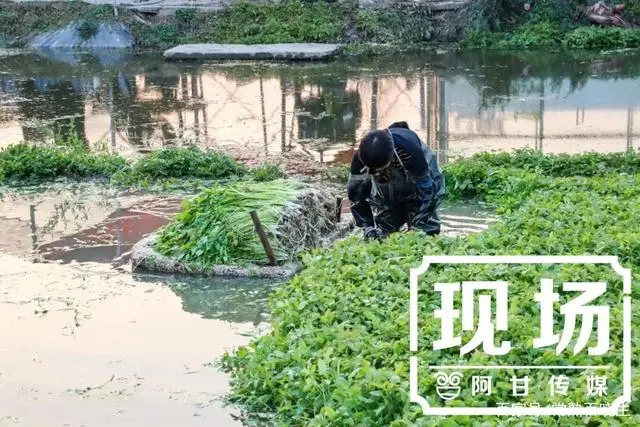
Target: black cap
(376, 149)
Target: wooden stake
(263, 238)
(338, 208)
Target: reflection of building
(70, 225)
(598, 117)
(319, 114)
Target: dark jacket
(414, 172)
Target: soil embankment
(162, 25)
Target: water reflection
(80, 223)
(234, 300)
(459, 104)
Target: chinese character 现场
(591, 290)
(559, 385)
(596, 385)
(520, 386)
(484, 332)
(480, 384)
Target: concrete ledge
(295, 51)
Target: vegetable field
(338, 354)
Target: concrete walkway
(298, 51)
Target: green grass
(547, 35)
(28, 164)
(338, 351)
(363, 30)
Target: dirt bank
(160, 25)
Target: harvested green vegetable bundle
(216, 228)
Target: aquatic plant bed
(214, 234)
(293, 51)
(338, 353)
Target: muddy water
(82, 222)
(86, 343)
(458, 103)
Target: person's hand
(372, 233)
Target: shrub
(534, 36)
(288, 21)
(602, 38)
(560, 12)
(399, 24)
(544, 35)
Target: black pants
(390, 219)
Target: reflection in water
(458, 105)
(234, 300)
(54, 102)
(83, 223)
(86, 345)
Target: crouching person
(395, 179)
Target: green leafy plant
(69, 158)
(602, 38)
(540, 35)
(216, 227)
(396, 25)
(530, 37)
(283, 22)
(177, 163)
(338, 352)
(558, 12)
(268, 172)
(25, 162)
